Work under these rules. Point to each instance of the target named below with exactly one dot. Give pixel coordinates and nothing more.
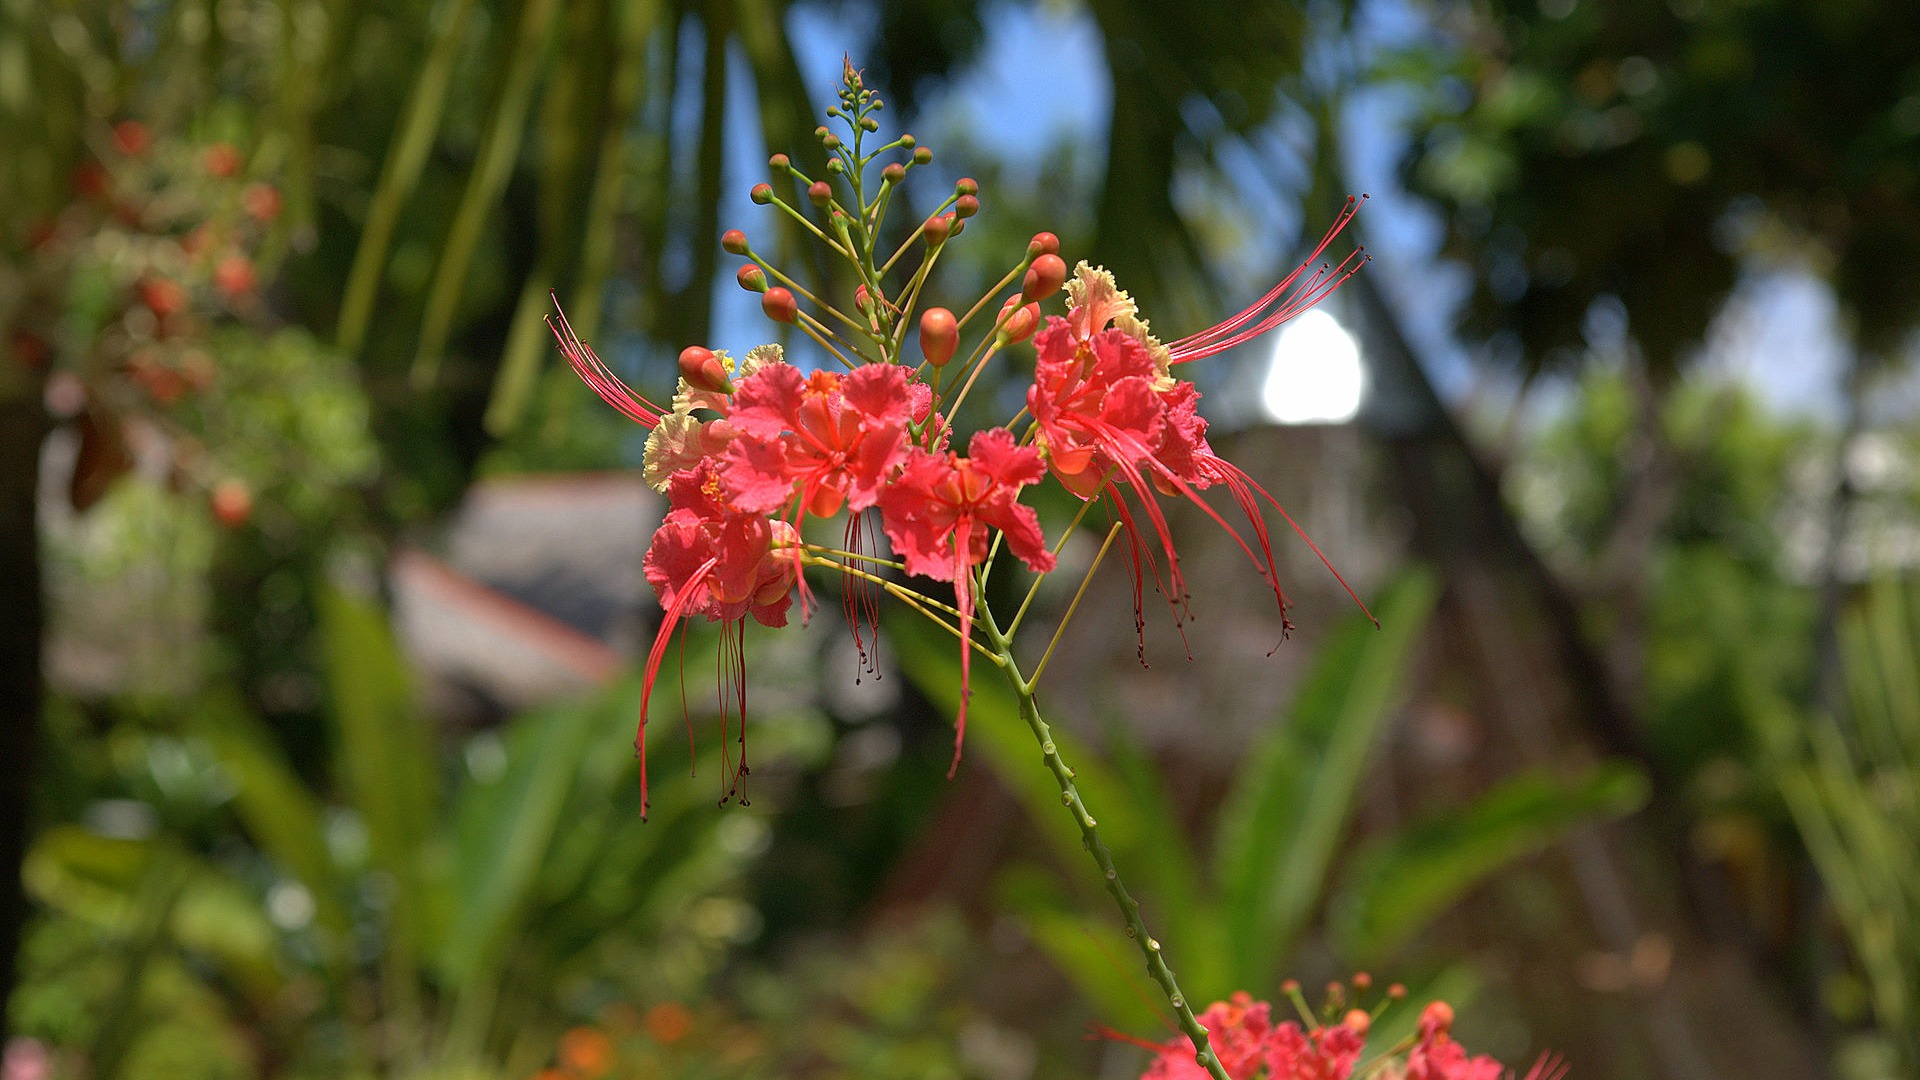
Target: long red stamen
(675, 612)
(1293, 295)
(596, 374)
(963, 602)
(860, 599)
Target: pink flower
(708, 558)
(1111, 415)
(940, 511)
(1247, 1042)
(835, 438)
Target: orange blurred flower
(586, 1051)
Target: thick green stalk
(1150, 949)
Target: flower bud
(966, 206)
(703, 370)
(831, 142)
(1358, 1020)
(751, 278)
(762, 194)
(1044, 277)
(780, 163)
(862, 299)
(836, 166)
(1043, 243)
(966, 185)
(939, 335)
(907, 140)
(733, 242)
(894, 173)
(868, 122)
(821, 132)
(922, 155)
(935, 230)
(1018, 325)
(780, 305)
(820, 192)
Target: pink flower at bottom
(1250, 1046)
(940, 511)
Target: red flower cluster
(747, 452)
(1252, 1047)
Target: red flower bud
(232, 503)
(820, 192)
(1044, 277)
(703, 370)
(907, 140)
(831, 142)
(780, 162)
(780, 305)
(922, 155)
(761, 194)
(966, 185)
(939, 335)
(966, 206)
(934, 232)
(733, 242)
(1043, 243)
(751, 278)
(894, 173)
(221, 159)
(132, 137)
(1018, 325)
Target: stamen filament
(1041, 668)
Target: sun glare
(1314, 375)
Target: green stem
(1150, 949)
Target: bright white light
(1315, 375)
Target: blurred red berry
(221, 159)
(163, 296)
(232, 502)
(262, 201)
(89, 179)
(132, 138)
(234, 276)
(30, 350)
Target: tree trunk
(23, 426)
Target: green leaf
(505, 831)
(385, 760)
(1289, 807)
(1401, 882)
(283, 817)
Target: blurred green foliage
(1241, 913)
(377, 926)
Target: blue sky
(1042, 77)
